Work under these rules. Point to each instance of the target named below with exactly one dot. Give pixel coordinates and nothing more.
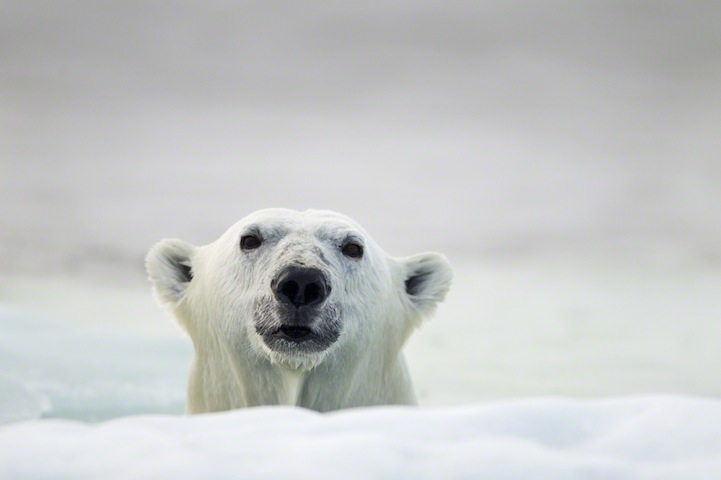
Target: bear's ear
(170, 267)
(428, 278)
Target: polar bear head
(295, 288)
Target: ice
(85, 372)
(646, 437)
(18, 403)
(571, 326)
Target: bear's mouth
(293, 333)
(300, 333)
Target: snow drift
(659, 437)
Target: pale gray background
(475, 128)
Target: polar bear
(296, 308)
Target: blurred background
(566, 156)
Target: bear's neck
(291, 386)
(220, 379)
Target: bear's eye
(249, 242)
(352, 250)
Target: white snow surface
(648, 437)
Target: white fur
(230, 289)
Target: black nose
(301, 287)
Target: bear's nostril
(312, 292)
(290, 291)
(301, 287)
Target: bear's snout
(301, 288)
(304, 321)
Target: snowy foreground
(645, 437)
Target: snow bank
(659, 437)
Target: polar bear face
(295, 288)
